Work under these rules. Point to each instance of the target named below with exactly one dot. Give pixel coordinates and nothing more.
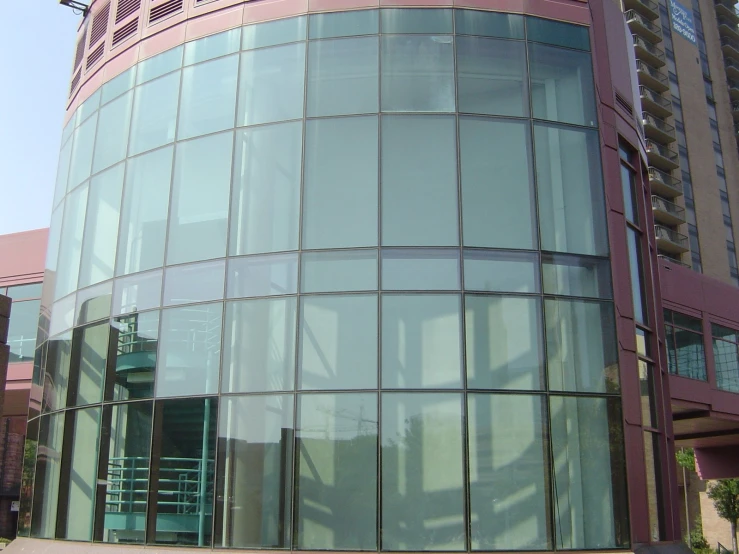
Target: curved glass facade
(336, 282)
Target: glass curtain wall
(338, 282)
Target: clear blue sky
(36, 51)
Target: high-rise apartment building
(386, 275)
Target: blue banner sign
(682, 21)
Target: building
(383, 275)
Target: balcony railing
(730, 46)
(667, 212)
(654, 102)
(727, 5)
(657, 128)
(728, 27)
(731, 66)
(664, 184)
(648, 51)
(647, 8)
(642, 26)
(651, 76)
(669, 240)
(662, 156)
(672, 260)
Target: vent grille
(126, 8)
(163, 10)
(95, 55)
(129, 29)
(625, 104)
(75, 82)
(99, 25)
(79, 54)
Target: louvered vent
(163, 10)
(124, 32)
(95, 55)
(625, 105)
(99, 25)
(126, 8)
(75, 82)
(80, 52)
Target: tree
(725, 496)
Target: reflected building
(354, 277)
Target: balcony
(733, 89)
(735, 111)
(657, 129)
(667, 212)
(727, 27)
(725, 8)
(651, 77)
(730, 47)
(647, 8)
(661, 157)
(672, 260)
(732, 67)
(643, 27)
(664, 184)
(648, 52)
(670, 241)
(654, 102)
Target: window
(726, 357)
(685, 353)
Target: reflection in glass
(419, 184)
(159, 65)
(62, 315)
(144, 212)
(189, 350)
(93, 303)
(255, 439)
(648, 395)
(488, 24)
(56, 376)
(194, 283)
(636, 272)
(112, 137)
(336, 484)
(422, 475)
(340, 151)
(344, 24)
(504, 344)
(274, 32)
(421, 341)
(262, 276)
(23, 292)
(118, 85)
(343, 76)
(22, 330)
(265, 205)
(80, 163)
(408, 20)
(137, 292)
(497, 183)
(576, 276)
(27, 475)
(259, 345)
(558, 33)
(581, 347)
(427, 269)
(136, 338)
(46, 482)
(212, 46)
(338, 342)
(62, 173)
(87, 373)
(501, 271)
(509, 487)
(154, 114)
(200, 195)
(344, 270)
(70, 249)
(417, 73)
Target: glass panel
(557, 33)
(22, 329)
(647, 395)
(93, 303)
(343, 76)
(417, 73)
(262, 276)
(339, 152)
(112, 138)
(271, 84)
(213, 46)
(255, 453)
(26, 482)
(56, 376)
(581, 346)
(71, 243)
(488, 24)
(344, 24)
(504, 343)
(336, 484)
(419, 184)
(562, 85)
(570, 187)
(186, 469)
(692, 323)
(118, 85)
(208, 102)
(689, 354)
(80, 162)
(124, 471)
(137, 337)
(509, 486)
(78, 512)
(576, 276)
(627, 185)
(55, 232)
(101, 227)
(653, 465)
(46, 483)
(716, 330)
(416, 21)
(421, 341)
(62, 315)
(491, 76)
(154, 114)
(259, 347)
(200, 196)
(497, 183)
(88, 371)
(636, 272)
(159, 65)
(406, 269)
(726, 358)
(265, 207)
(338, 342)
(137, 293)
(274, 32)
(189, 350)
(339, 271)
(144, 212)
(422, 475)
(501, 271)
(89, 106)
(588, 473)
(194, 283)
(62, 172)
